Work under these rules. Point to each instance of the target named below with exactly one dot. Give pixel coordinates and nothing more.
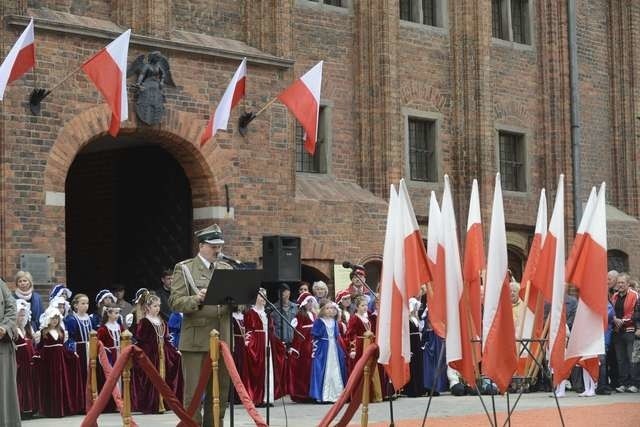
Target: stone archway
(176, 140)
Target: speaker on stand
(280, 260)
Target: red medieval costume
(58, 374)
(239, 350)
(300, 358)
(152, 336)
(256, 323)
(27, 392)
(356, 328)
(109, 335)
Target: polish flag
(410, 270)
(460, 328)
(474, 259)
(436, 296)
(550, 274)
(586, 341)
(579, 239)
(234, 93)
(303, 100)
(21, 58)
(499, 358)
(534, 311)
(107, 69)
(452, 274)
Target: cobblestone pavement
(307, 415)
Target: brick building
(411, 89)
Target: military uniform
(198, 321)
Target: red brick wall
(409, 66)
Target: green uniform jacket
(198, 320)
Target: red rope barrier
(147, 366)
(353, 391)
(239, 386)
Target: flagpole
(474, 357)
(537, 313)
(248, 116)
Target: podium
(233, 287)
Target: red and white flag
(550, 274)
(232, 95)
(534, 311)
(459, 334)
(474, 259)
(586, 341)
(499, 358)
(303, 100)
(20, 59)
(579, 239)
(410, 270)
(437, 294)
(107, 69)
(453, 275)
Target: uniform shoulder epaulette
(186, 261)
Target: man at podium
(190, 281)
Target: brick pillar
(268, 26)
(148, 17)
(473, 136)
(554, 132)
(377, 94)
(624, 92)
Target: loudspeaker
(281, 258)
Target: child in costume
(257, 323)
(301, 349)
(109, 334)
(152, 335)
(23, 340)
(78, 325)
(358, 325)
(103, 298)
(57, 370)
(328, 367)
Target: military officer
(188, 288)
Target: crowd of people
(304, 345)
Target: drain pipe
(575, 111)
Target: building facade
(411, 88)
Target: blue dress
(328, 367)
(433, 344)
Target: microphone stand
(268, 349)
(364, 284)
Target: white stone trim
(54, 198)
(213, 212)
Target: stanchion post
(93, 357)
(366, 380)
(214, 350)
(126, 381)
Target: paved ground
(410, 410)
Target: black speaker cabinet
(281, 258)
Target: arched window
(516, 261)
(617, 260)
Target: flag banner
(107, 69)
(499, 358)
(20, 59)
(302, 98)
(232, 96)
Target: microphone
(223, 257)
(347, 264)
